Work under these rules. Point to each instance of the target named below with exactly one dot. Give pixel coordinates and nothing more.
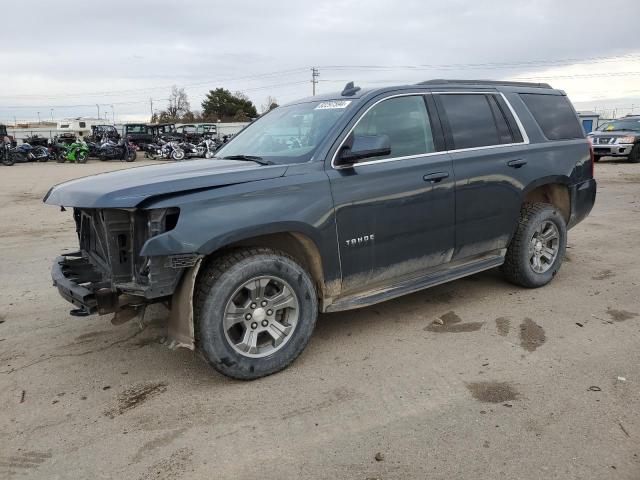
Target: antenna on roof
(350, 89)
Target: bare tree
(178, 103)
(269, 105)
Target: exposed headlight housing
(628, 139)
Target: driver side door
(395, 213)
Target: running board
(414, 284)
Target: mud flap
(180, 327)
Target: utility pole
(113, 114)
(98, 110)
(314, 80)
(52, 115)
(151, 104)
(39, 121)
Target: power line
(164, 87)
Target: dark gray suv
(331, 203)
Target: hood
(129, 187)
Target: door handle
(435, 177)
(517, 163)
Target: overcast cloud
(57, 54)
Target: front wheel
(61, 157)
(8, 160)
(254, 310)
(178, 154)
(131, 156)
(537, 249)
(81, 157)
(634, 156)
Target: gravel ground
(516, 383)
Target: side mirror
(361, 147)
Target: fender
(213, 219)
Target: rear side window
(404, 120)
(478, 120)
(554, 114)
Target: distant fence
(46, 132)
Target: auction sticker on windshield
(333, 104)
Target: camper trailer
(80, 126)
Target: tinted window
(554, 114)
(83, 124)
(404, 120)
(471, 120)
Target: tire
(634, 156)
(537, 221)
(81, 157)
(131, 157)
(596, 158)
(178, 155)
(61, 158)
(8, 161)
(218, 287)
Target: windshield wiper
(249, 158)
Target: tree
(270, 105)
(221, 104)
(178, 103)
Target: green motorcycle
(77, 152)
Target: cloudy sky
(61, 57)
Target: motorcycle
(165, 150)
(27, 153)
(76, 152)
(208, 147)
(122, 150)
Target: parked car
(137, 133)
(331, 203)
(159, 130)
(618, 138)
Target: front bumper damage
(108, 275)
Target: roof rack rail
(485, 82)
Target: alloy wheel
(544, 246)
(261, 316)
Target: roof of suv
(350, 93)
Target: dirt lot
(517, 383)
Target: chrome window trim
(525, 137)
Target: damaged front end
(108, 274)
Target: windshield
(630, 125)
(287, 134)
(136, 128)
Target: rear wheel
(634, 156)
(131, 156)
(537, 249)
(61, 157)
(255, 310)
(81, 157)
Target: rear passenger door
(489, 161)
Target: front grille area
(604, 140)
(111, 239)
(107, 238)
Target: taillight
(593, 161)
